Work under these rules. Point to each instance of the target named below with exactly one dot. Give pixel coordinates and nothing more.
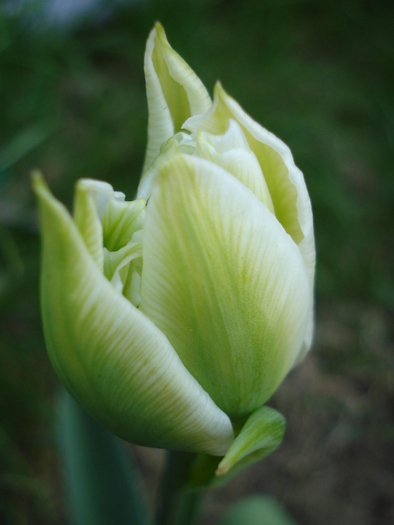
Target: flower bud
(174, 317)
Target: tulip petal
(88, 222)
(166, 151)
(224, 282)
(174, 92)
(121, 220)
(261, 434)
(115, 262)
(231, 151)
(112, 358)
(308, 252)
(285, 181)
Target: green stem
(177, 506)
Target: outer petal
(113, 359)
(285, 181)
(224, 282)
(308, 252)
(173, 90)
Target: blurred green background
(317, 73)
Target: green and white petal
(285, 181)
(101, 193)
(167, 150)
(88, 222)
(110, 356)
(121, 220)
(231, 151)
(224, 281)
(114, 262)
(308, 252)
(174, 92)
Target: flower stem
(177, 506)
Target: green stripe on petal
(111, 357)
(224, 281)
(174, 92)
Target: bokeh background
(319, 74)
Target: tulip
(174, 317)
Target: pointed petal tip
(162, 39)
(160, 31)
(218, 89)
(46, 200)
(157, 28)
(222, 94)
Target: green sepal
(261, 434)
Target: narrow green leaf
(20, 145)
(257, 510)
(102, 485)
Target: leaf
(257, 510)
(102, 484)
(20, 145)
